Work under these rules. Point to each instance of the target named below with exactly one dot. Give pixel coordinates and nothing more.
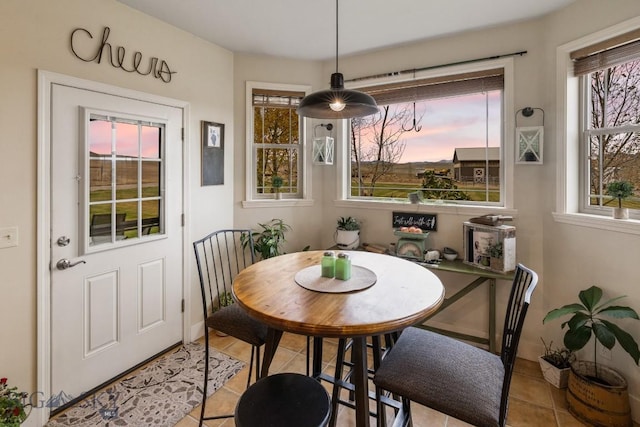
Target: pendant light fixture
(337, 102)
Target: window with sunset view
(440, 138)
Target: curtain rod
(415, 70)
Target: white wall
(34, 34)
(304, 221)
(567, 258)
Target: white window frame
(570, 171)
(507, 154)
(252, 199)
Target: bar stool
(284, 400)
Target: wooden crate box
(483, 241)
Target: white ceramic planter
(621, 213)
(347, 239)
(559, 378)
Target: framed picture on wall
(212, 153)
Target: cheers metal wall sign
(87, 50)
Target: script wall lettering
(158, 68)
(426, 222)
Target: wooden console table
(482, 276)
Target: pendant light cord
(336, 36)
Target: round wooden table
(404, 293)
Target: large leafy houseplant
(267, 242)
(589, 317)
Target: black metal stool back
(220, 256)
(453, 377)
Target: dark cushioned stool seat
(284, 400)
(453, 377)
(446, 375)
(234, 321)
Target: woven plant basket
(598, 404)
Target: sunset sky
(449, 123)
(127, 139)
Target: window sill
(627, 226)
(281, 203)
(464, 210)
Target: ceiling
(305, 29)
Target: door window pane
(151, 217)
(151, 142)
(100, 218)
(126, 178)
(151, 179)
(100, 179)
(125, 183)
(127, 139)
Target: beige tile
(565, 419)
(238, 383)
(532, 390)
(523, 413)
(282, 357)
(559, 397)
(454, 422)
(222, 402)
(188, 421)
(423, 416)
(238, 349)
(293, 342)
(297, 364)
(527, 367)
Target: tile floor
(533, 401)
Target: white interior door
(116, 235)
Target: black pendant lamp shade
(337, 102)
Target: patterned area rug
(160, 394)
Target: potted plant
(496, 261)
(276, 183)
(597, 394)
(267, 242)
(12, 405)
(620, 190)
(347, 233)
(555, 364)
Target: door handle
(64, 263)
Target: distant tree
(376, 141)
(440, 188)
(275, 126)
(615, 101)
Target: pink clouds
(126, 142)
(449, 123)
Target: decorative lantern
(323, 150)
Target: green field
(398, 190)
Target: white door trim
(46, 80)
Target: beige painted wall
(568, 258)
(304, 221)
(34, 34)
